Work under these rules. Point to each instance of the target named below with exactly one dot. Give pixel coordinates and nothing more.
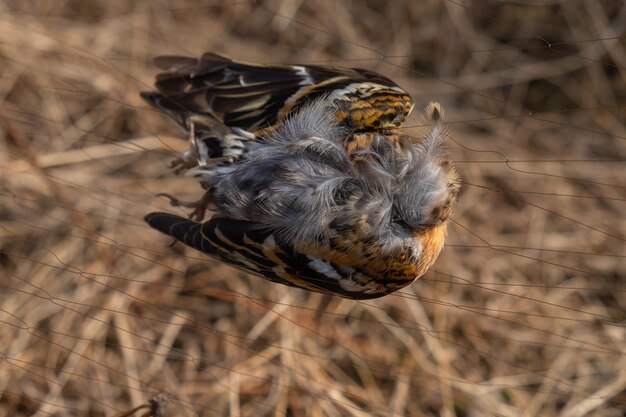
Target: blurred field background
(522, 315)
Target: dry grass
(522, 315)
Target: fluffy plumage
(301, 180)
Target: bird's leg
(184, 162)
(191, 158)
(200, 207)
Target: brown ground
(522, 315)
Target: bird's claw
(200, 207)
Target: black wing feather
(242, 243)
(242, 95)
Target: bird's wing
(255, 97)
(256, 250)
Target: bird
(319, 197)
